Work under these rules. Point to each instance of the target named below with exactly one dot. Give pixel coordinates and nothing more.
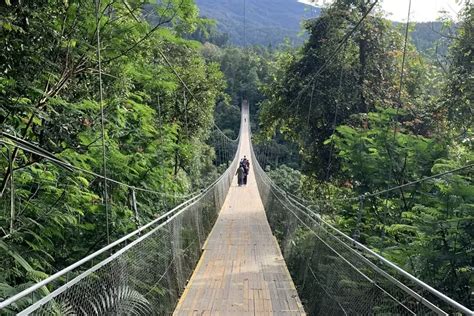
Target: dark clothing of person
(240, 175)
(246, 165)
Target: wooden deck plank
(241, 270)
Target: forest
(381, 115)
(155, 133)
(135, 90)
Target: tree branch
(145, 37)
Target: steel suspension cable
(245, 23)
(364, 248)
(310, 103)
(154, 225)
(398, 187)
(90, 257)
(268, 181)
(402, 71)
(345, 39)
(32, 148)
(344, 259)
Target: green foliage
(228, 118)
(245, 71)
(49, 96)
(361, 78)
(286, 178)
(378, 157)
(360, 131)
(459, 95)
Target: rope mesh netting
(143, 273)
(336, 275)
(147, 276)
(224, 147)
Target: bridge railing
(142, 273)
(336, 275)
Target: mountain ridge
(267, 22)
(272, 22)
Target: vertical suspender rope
(219, 149)
(399, 105)
(12, 189)
(135, 208)
(224, 150)
(357, 232)
(310, 104)
(102, 121)
(336, 110)
(402, 72)
(185, 111)
(160, 122)
(384, 222)
(228, 149)
(221, 145)
(245, 24)
(247, 55)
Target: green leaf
(16, 256)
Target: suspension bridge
(230, 250)
(241, 269)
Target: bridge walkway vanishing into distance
(228, 250)
(241, 270)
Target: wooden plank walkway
(241, 270)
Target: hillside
(428, 35)
(268, 22)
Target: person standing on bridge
(246, 165)
(240, 174)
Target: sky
(421, 10)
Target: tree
(362, 127)
(459, 94)
(49, 94)
(322, 89)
